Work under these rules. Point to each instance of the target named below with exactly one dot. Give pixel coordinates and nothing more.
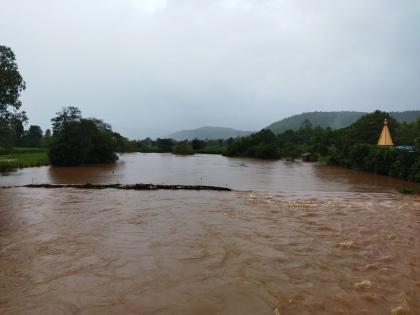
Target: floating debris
(365, 284)
(372, 266)
(346, 244)
(127, 187)
(400, 311)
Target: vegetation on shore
(23, 157)
(352, 147)
(168, 145)
(77, 140)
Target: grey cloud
(180, 64)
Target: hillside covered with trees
(352, 147)
(334, 120)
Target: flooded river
(293, 238)
(294, 179)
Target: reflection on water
(292, 178)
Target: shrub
(82, 142)
(183, 149)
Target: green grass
(20, 150)
(23, 157)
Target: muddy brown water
(294, 238)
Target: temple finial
(385, 139)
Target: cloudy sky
(150, 66)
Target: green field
(23, 157)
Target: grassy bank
(23, 157)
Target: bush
(415, 171)
(267, 151)
(82, 142)
(262, 144)
(359, 154)
(183, 149)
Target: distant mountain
(334, 120)
(141, 133)
(208, 133)
(407, 116)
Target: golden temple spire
(385, 137)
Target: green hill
(208, 133)
(334, 120)
(407, 116)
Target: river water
(292, 238)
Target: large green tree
(78, 141)
(11, 82)
(262, 144)
(32, 137)
(67, 115)
(11, 86)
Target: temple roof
(385, 137)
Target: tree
(183, 148)
(306, 124)
(11, 86)
(32, 137)
(67, 115)
(78, 141)
(165, 145)
(262, 144)
(290, 151)
(46, 140)
(17, 130)
(198, 144)
(103, 126)
(11, 82)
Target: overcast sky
(150, 65)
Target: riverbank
(22, 158)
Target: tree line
(352, 147)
